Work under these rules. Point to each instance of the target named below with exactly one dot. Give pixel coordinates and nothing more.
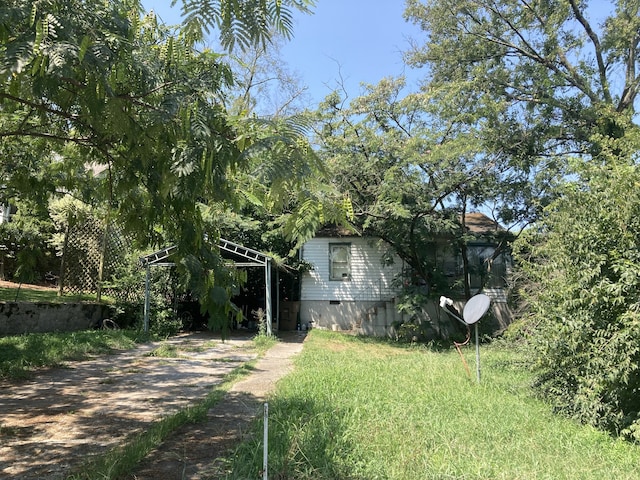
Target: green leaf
(84, 45)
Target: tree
(140, 100)
(582, 291)
(274, 184)
(264, 85)
(410, 177)
(540, 78)
(539, 81)
(555, 93)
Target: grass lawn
(362, 410)
(22, 354)
(26, 294)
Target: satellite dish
(475, 308)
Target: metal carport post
(256, 259)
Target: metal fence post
(265, 453)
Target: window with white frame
(339, 261)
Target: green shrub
(583, 297)
(164, 323)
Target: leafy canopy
(106, 85)
(537, 79)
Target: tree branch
(22, 133)
(632, 81)
(528, 51)
(602, 70)
(39, 106)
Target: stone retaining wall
(29, 317)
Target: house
(490, 277)
(354, 282)
(349, 286)
(487, 268)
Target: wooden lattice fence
(92, 253)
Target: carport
(247, 258)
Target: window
(339, 261)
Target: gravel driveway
(50, 424)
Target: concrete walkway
(197, 452)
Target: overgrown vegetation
(528, 111)
(361, 408)
(582, 290)
(73, 119)
(262, 340)
(553, 91)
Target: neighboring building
(352, 286)
(487, 234)
(493, 280)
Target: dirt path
(52, 423)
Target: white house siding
(365, 302)
(500, 308)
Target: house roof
(475, 222)
(479, 223)
(337, 231)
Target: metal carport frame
(253, 257)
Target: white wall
(364, 302)
(370, 279)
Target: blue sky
(358, 40)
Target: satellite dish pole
(473, 311)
